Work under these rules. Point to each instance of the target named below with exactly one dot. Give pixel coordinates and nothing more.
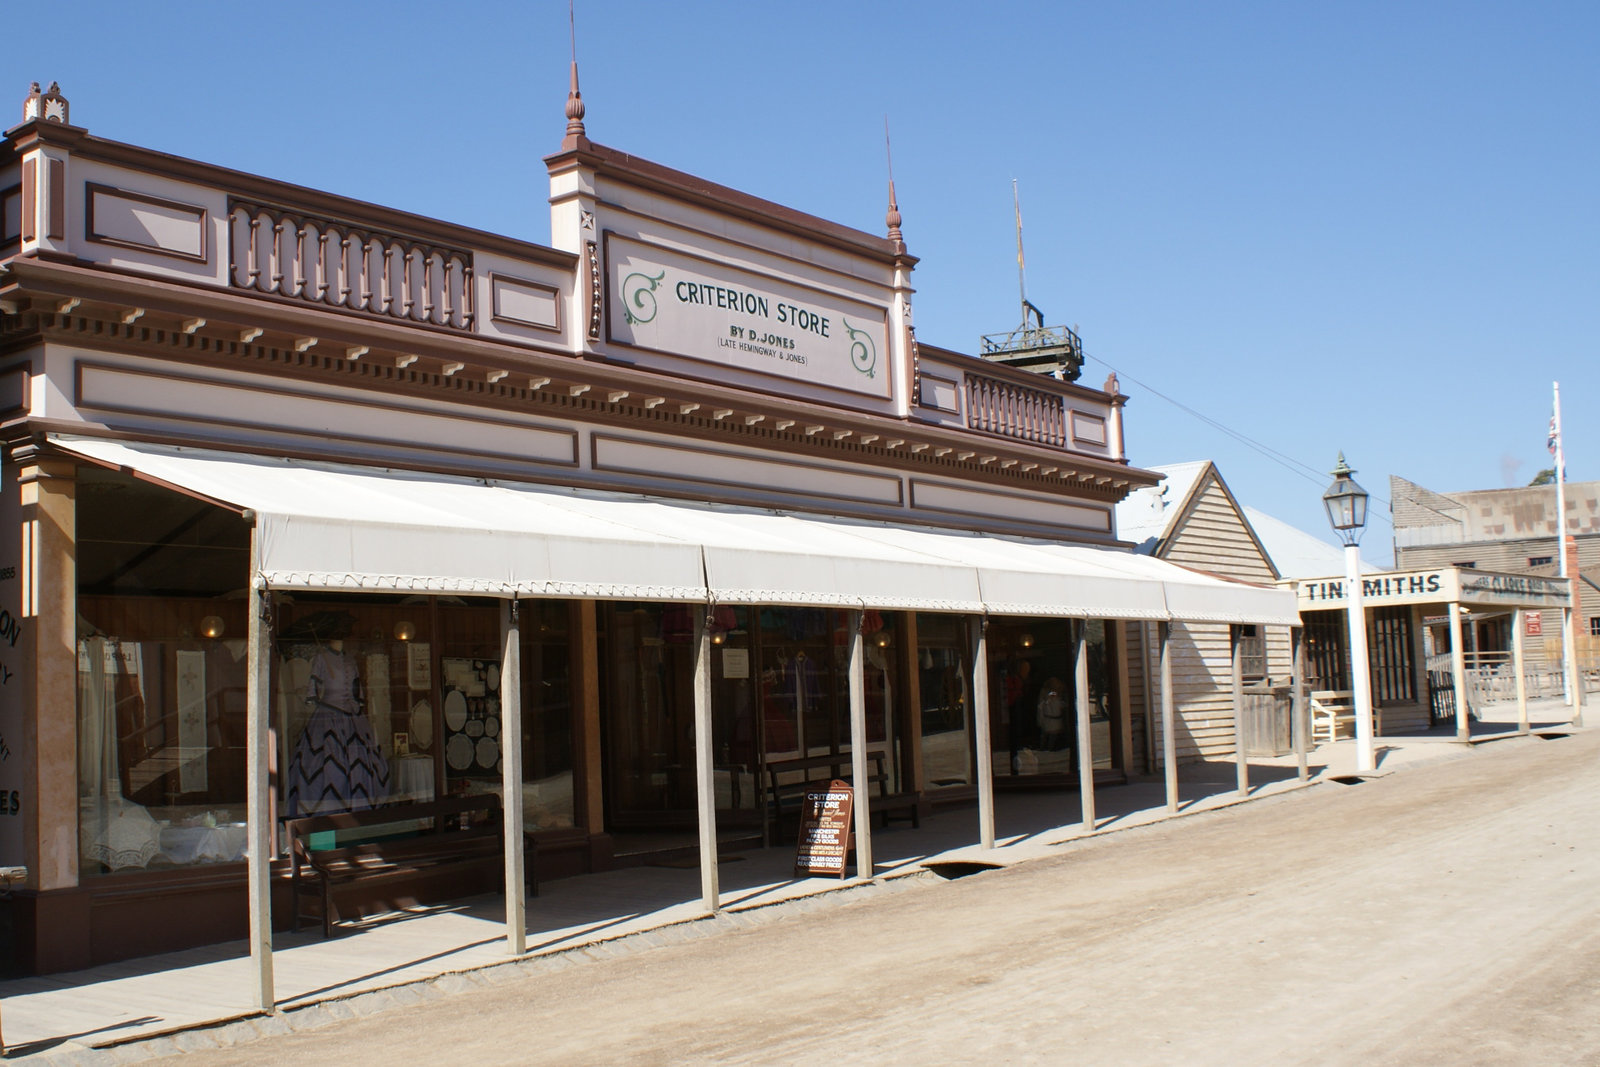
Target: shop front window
(945, 686)
(1033, 702)
(161, 677)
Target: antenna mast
(1022, 274)
(1053, 350)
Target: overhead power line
(1288, 462)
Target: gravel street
(1447, 913)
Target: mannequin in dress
(337, 765)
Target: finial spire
(892, 219)
(575, 131)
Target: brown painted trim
(14, 383)
(913, 778)
(1000, 497)
(56, 172)
(30, 200)
(81, 402)
(653, 177)
(583, 626)
(1075, 417)
(955, 387)
(35, 279)
(597, 289)
(615, 210)
(8, 194)
(498, 316)
(285, 195)
(91, 233)
(595, 440)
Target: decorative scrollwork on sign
(863, 353)
(638, 291)
(596, 291)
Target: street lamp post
(1347, 512)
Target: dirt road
(1446, 914)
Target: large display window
(376, 699)
(1033, 698)
(161, 669)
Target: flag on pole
(1552, 440)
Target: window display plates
(422, 724)
(458, 752)
(491, 726)
(455, 709)
(488, 752)
(492, 677)
(474, 728)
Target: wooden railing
(1014, 410)
(321, 261)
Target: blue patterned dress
(337, 765)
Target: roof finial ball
(50, 105)
(575, 134)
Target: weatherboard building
(314, 507)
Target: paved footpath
(1446, 914)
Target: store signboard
(1440, 586)
(16, 799)
(694, 308)
(825, 833)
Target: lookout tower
(1053, 350)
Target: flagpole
(1571, 679)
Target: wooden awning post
(1518, 618)
(1241, 761)
(1169, 743)
(1297, 700)
(511, 776)
(1458, 672)
(705, 773)
(980, 725)
(1080, 683)
(258, 810)
(858, 747)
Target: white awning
(342, 526)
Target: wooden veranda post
(858, 747)
(705, 773)
(1169, 741)
(258, 812)
(511, 776)
(980, 724)
(1080, 680)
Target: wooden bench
(788, 781)
(455, 836)
(1333, 713)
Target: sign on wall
(1441, 586)
(15, 803)
(694, 308)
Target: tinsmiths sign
(675, 303)
(1451, 584)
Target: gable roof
(1152, 518)
(1146, 516)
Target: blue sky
(1360, 226)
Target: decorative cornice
(95, 308)
(655, 178)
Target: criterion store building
(309, 505)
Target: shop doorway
(779, 691)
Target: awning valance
(344, 526)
